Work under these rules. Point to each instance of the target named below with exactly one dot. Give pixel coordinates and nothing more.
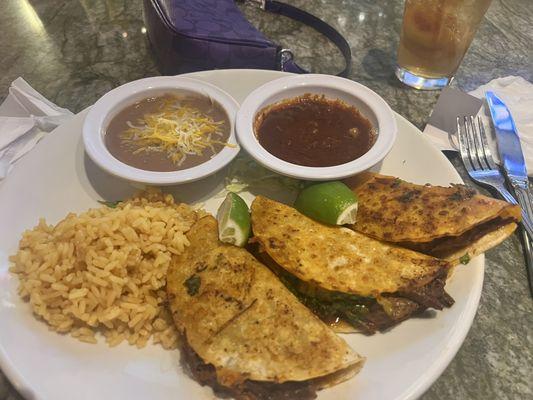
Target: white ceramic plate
(57, 178)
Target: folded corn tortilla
(445, 222)
(370, 284)
(245, 328)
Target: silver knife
(511, 152)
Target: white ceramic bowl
(370, 104)
(117, 99)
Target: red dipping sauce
(314, 131)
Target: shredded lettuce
(245, 174)
(110, 204)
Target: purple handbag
(196, 35)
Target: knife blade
(510, 151)
(507, 137)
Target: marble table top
(75, 51)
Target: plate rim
(420, 385)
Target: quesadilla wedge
(343, 275)
(446, 222)
(243, 333)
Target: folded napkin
(517, 93)
(25, 117)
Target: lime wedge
(233, 218)
(329, 202)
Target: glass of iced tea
(435, 37)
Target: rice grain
(104, 271)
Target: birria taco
(243, 333)
(453, 222)
(348, 279)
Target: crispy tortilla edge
(486, 242)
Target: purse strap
(286, 58)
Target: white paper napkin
(517, 93)
(25, 117)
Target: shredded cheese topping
(176, 129)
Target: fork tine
(477, 144)
(463, 146)
(470, 146)
(485, 145)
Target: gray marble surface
(75, 51)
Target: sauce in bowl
(314, 131)
(168, 133)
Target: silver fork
(480, 165)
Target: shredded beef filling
(366, 314)
(441, 247)
(397, 309)
(392, 309)
(248, 390)
(431, 295)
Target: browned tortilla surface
(440, 221)
(240, 319)
(337, 258)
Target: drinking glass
(435, 37)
